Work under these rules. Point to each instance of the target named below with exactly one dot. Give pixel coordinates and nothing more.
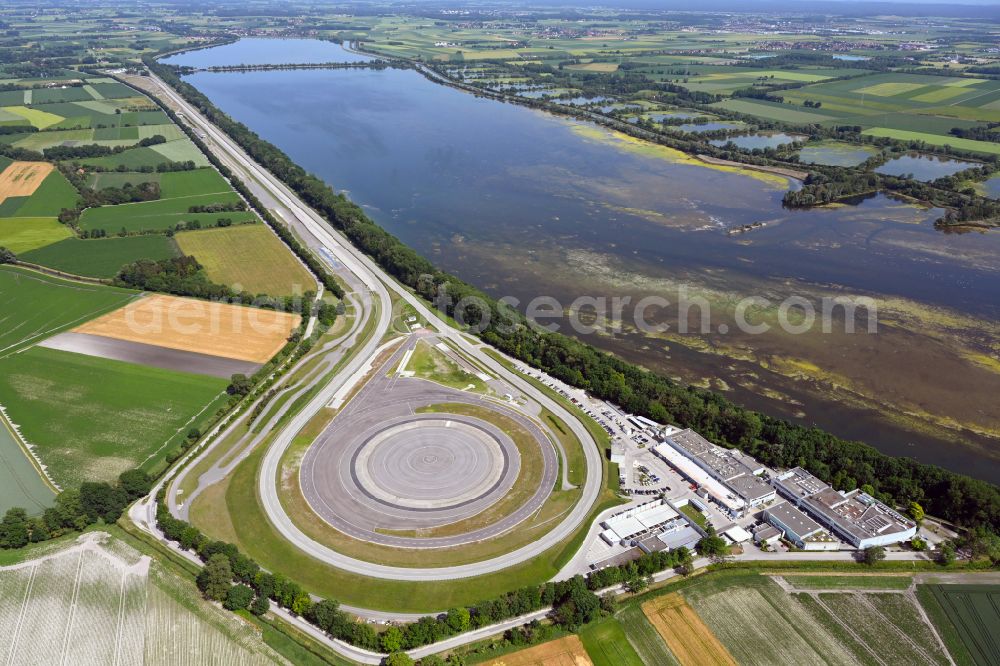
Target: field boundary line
(848, 629)
(74, 600)
(119, 627)
(177, 432)
(899, 632)
(20, 616)
(912, 596)
(183, 196)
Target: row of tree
(235, 580)
(846, 464)
(74, 510)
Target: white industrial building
(736, 484)
(638, 522)
(856, 517)
(799, 528)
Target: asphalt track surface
(329, 476)
(319, 235)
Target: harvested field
(99, 601)
(151, 355)
(566, 651)
(762, 625)
(687, 636)
(216, 329)
(21, 179)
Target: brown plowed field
(216, 329)
(21, 179)
(690, 639)
(566, 651)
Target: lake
(923, 167)
(523, 203)
(835, 154)
(267, 51)
(759, 141)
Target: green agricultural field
(100, 258)
(937, 140)
(181, 150)
(607, 645)
(34, 306)
(92, 418)
(38, 118)
(132, 159)
(102, 179)
(774, 111)
(250, 256)
(969, 619)
(54, 194)
(192, 183)
(644, 638)
(160, 214)
(22, 234)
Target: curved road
(318, 234)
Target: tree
(14, 528)
(398, 659)
(325, 614)
(301, 603)
(391, 640)
(458, 619)
(101, 500)
(873, 555)
(238, 597)
(135, 483)
(685, 561)
(260, 606)
(637, 583)
(918, 544)
(6, 256)
(239, 385)
(916, 512)
(214, 580)
(713, 545)
(946, 554)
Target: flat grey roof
(794, 519)
(750, 487)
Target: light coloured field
(890, 89)
(216, 329)
(940, 94)
(247, 258)
(40, 119)
(566, 651)
(687, 636)
(595, 67)
(22, 234)
(21, 179)
(98, 602)
(766, 626)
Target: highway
(318, 234)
